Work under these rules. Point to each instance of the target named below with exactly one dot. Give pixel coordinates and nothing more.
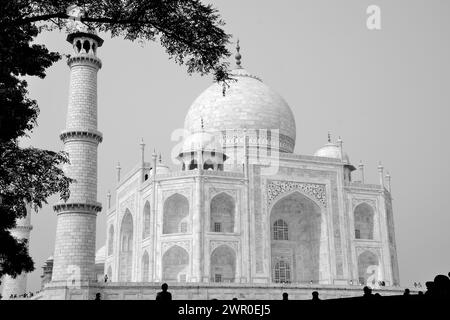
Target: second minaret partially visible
(74, 255)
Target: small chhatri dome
(201, 141)
(247, 104)
(161, 168)
(331, 150)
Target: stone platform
(205, 291)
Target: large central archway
(296, 246)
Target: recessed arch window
(86, 46)
(78, 45)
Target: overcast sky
(386, 93)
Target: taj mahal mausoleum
(242, 215)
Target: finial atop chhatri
(160, 158)
(329, 136)
(202, 125)
(238, 56)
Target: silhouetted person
(315, 296)
(98, 296)
(234, 298)
(285, 296)
(377, 295)
(441, 286)
(106, 278)
(164, 295)
(430, 288)
(406, 292)
(420, 293)
(367, 292)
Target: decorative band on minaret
(74, 256)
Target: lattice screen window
(280, 230)
(282, 272)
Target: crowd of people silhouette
(438, 288)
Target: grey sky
(386, 93)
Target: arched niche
(223, 264)
(368, 268)
(175, 264)
(176, 209)
(364, 221)
(145, 267)
(126, 247)
(146, 216)
(222, 213)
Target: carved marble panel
(214, 244)
(278, 187)
(185, 244)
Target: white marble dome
(161, 168)
(331, 150)
(247, 104)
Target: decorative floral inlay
(317, 191)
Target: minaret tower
(74, 255)
(18, 286)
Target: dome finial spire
(238, 55)
(202, 125)
(329, 136)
